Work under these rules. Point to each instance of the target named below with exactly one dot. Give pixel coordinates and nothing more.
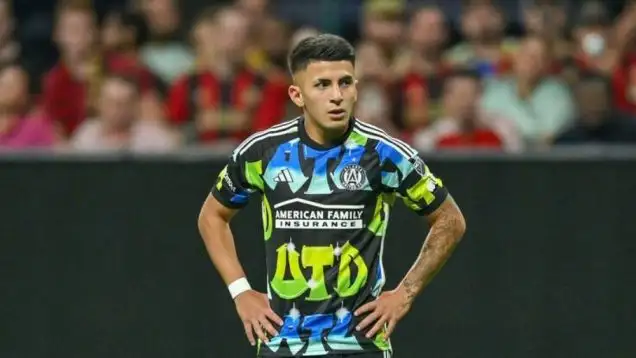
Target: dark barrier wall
(103, 259)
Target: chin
(336, 123)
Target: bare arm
(253, 307)
(214, 226)
(447, 228)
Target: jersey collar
(304, 137)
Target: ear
(296, 96)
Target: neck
(111, 128)
(323, 136)
(526, 86)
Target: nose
(336, 96)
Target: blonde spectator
(373, 105)
(485, 49)
(383, 24)
(118, 126)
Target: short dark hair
(324, 47)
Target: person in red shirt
(70, 87)
(464, 124)
(123, 35)
(422, 70)
(223, 99)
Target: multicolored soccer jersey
(325, 215)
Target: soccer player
(327, 182)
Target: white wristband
(239, 286)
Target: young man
(327, 182)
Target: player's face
(326, 91)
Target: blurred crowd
(134, 75)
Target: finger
(274, 317)
(265, 323)
(259, 331)
(390, 327)
(377, 327)
(249, 333)
(368, 320)
(366, 308)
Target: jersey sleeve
(420, 190)
(238, 181)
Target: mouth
(337, 113)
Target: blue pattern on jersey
(319, 183)
(387, 152)
(340, 338)
(286, 157)
(289, 334)
(240, 198)
(285, 167)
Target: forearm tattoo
(446, 231)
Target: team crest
(353, 177)
(419, 166)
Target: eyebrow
(345, 77)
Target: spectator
(419, 87)
(123, 35)
(118, 126)
(624, 73)
(464, 124)
(301, 34)
(9, 48)
(165, 54)
(598, 122)
(20, 126)
(273, 41)
(382, 24)
(255, 10)
(69, 88)
(595, 48)
(485, 47)
(257, 13)
(224, 99)
(540, 105)
(548, 19)
(374, 103)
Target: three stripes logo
(284, 176)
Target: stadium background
(109, 145)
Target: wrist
(238, 286)
(407, 293)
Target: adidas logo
(284, 177)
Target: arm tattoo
(447, 228)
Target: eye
(322, 84)
(346, 82)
